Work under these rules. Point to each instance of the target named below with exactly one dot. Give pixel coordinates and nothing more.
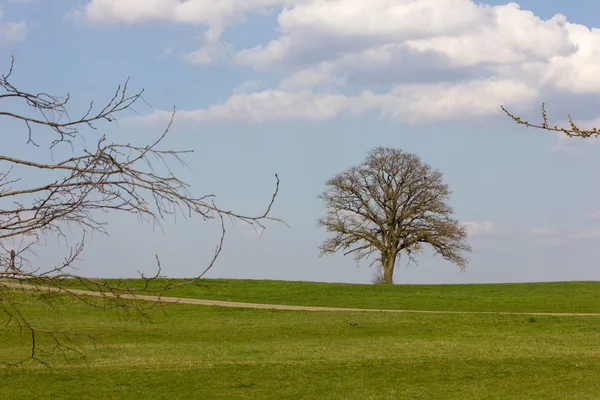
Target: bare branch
(75, 192)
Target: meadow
(207, 352)
(576, 297)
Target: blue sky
(304, 89)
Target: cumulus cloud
(480, 228)
(577, 72)
(218, 13)
(593, 215)
(11, 32)
(214, 15)
(458, 41)
(552, 236)
(245, 231)
(416, 103)
(430, 59)
(210, 53)
(399, 19)
(321, 30)
(322, 75)
(549, 236)
(586, 233)
(264, 106)
(543, 231)
(411, 103)
(514, 36)
(166, 52)
(463, 32)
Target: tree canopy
(391, 204)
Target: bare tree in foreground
(40, 199)
(392, 203)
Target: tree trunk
(388, 263)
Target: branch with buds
(572, 131)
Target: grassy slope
(517, 297)
(217, 353)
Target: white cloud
(593, 215)
(268, 105)
(248, 86)
(209, 53)
(542, 231)
(247, 231)
(514, 36)
(586, 233)
(549, 236)
(579, 71)
(215, 14)
(322, 75)
(11, 32)
(415, 103)
(467, 58)
(191, 11)
(408, 103)
(554, 237)
(166, 52)
(398, 20)
(464, 32)
(480, 228)
(458, 41)
(437, 59)
(553, 241)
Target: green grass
(575, 297)
(228, 353)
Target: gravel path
(235, 304)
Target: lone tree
(392, 203)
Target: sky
(304, 89)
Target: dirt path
(219, 303)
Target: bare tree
(69, 196)
(392, 203)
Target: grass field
(515, 297)
(197, 352)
